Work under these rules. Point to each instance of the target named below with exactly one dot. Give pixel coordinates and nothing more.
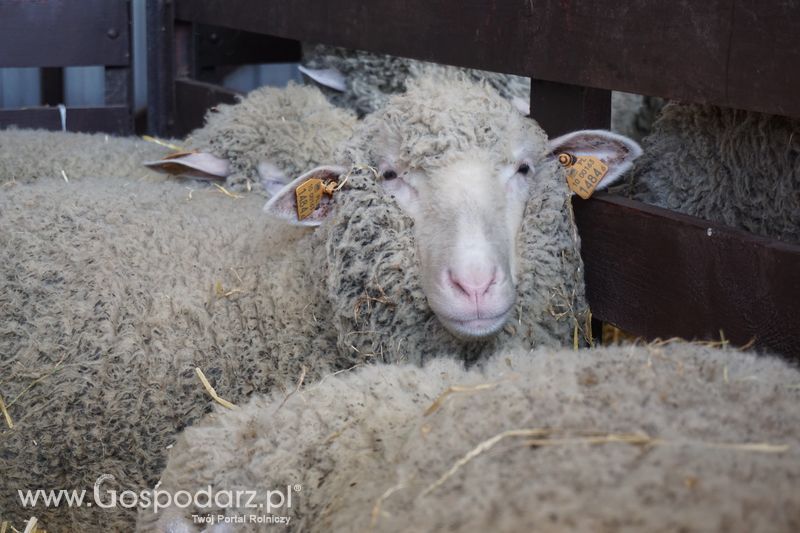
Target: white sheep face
(467, 215)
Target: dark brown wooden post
(52, 83)
(160, 66)
(560, 108)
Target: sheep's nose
(473, 284)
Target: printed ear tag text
(584, 173)
(309, 195)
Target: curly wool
(373, 78)
(371, 449)
(114, 291)
(736, 167)
(376, 303)
(293, 128)
(633, 115)
(27, 155)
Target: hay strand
(226, 192)
(9, 422)
(36, 382)
(456, 389)
(210, 390)
(30, 527)
(162, 143)
(376, 513)
(540, 437)
(481, 448)
(296, 389)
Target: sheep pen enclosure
(158, 332)
(688, 277)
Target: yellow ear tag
(584, 173)
(308, 194)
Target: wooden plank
(52, 83)
(193, 98)
(662, 274)
(61, 33)
(221, 46)
(109, 119)
(160, 67)
(697, 51)
(561, 108)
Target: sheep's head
(462, 163)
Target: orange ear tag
(309, 195)
(584, 173)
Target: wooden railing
(650, 271)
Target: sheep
(260, 142)
(659, 437)
(27, 155)
(364, 81)
(273, 134)
(738, 168)
(117, 289)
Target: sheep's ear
(615, 151)
(327, 77)
(522, 105)
(193, 164)
(283, 204)
(272, 178)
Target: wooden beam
(560, 108)
(711, 52)
(193, 99)
(64, 33)
(657, 273)
(109, 119)
(160, 67)
(221, 46)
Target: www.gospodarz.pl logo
(156, 499)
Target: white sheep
(660, 437)
(115, 290)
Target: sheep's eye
(389, 175)
(524, 168)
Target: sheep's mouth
(476, 329)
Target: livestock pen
(649, 271)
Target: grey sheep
(451, 234)
(739, 168)
(660, 437)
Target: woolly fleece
(294, 128)
(115, 290)
(27, 155)
(735, 167)
(373, 78)
(365, 446)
